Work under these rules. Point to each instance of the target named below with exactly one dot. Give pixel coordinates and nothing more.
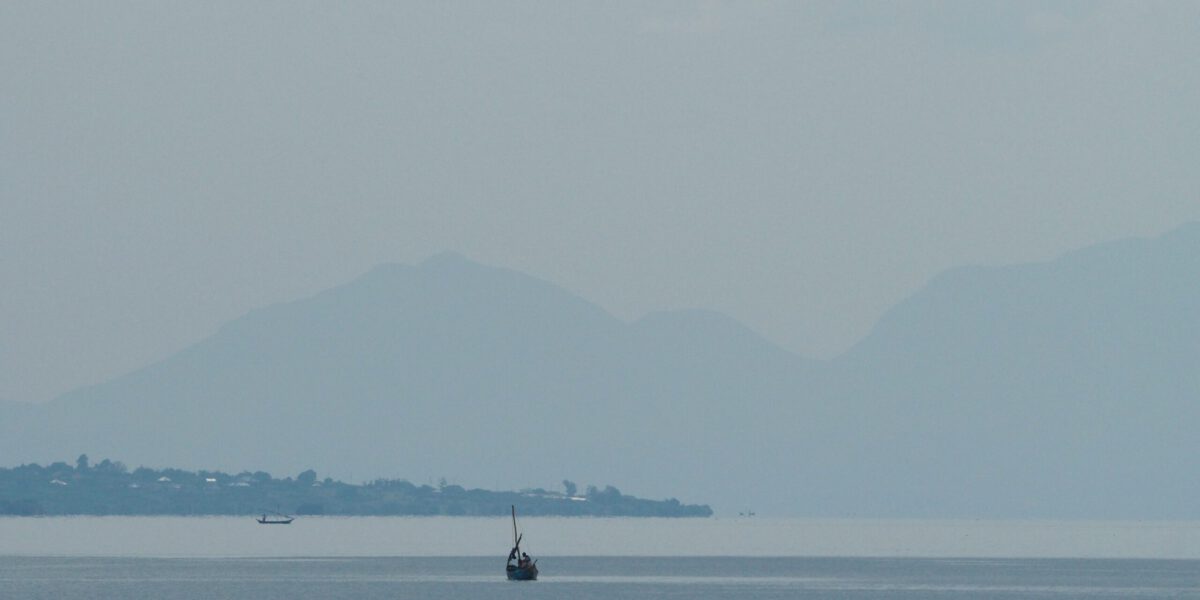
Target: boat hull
(529, 573)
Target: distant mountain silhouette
(1067, 388)
(448, 369)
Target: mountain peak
(440, 263)
(445, 260)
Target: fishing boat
(520, 567)
(278, 519)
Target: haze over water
(550, 537)
(904, 260)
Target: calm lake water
(462, 558)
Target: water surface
(468, 578)
(159, 537)
(176, 558)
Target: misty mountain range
(1069, 388)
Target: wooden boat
(277, 520)
(520, 567)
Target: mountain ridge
(1064, 388)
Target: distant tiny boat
(279, 520)
(520, 567)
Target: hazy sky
(165, 167)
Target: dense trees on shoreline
(110, 488)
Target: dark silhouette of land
(109, 488)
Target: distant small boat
(520, 567)
(277, 520)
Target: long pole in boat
(514, 513)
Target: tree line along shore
(109, 488)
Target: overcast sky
(166, 167)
